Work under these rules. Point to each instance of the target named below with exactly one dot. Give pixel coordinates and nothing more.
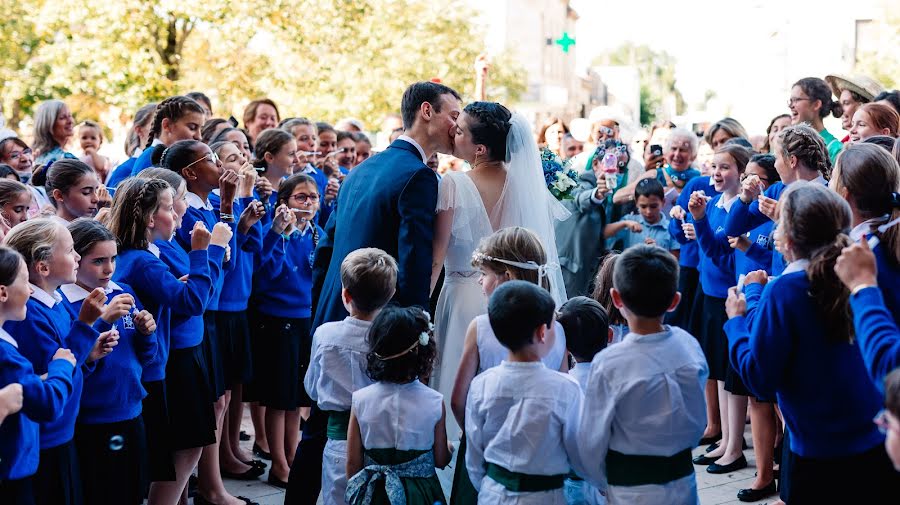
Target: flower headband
(480, 257)
(423, 340)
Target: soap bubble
(116, 443)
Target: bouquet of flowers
(561, 179)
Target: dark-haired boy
(648, 225)
(644, 407)
(521, 416)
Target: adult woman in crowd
(723, 130)
(551, 134)
(260, 115)
(54, 126)
(852, 92)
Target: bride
(504, 188)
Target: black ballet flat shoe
(256, 463)
(713, 446)
(709, 440)
(253, 473)
(751, 494)
(257, 450)
(703, 459)
(275, 481)
(193, 483)
(244, 436)
(730, 467)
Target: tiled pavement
(714, 489)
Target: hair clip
(423, 338)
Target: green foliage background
(324, 59)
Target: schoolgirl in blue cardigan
(43, 398)
(800, 154)
(178, 411)
(176, 118)
(717, 267)
(111, 399)
(52, 261)
(800, 347)
(282, 292)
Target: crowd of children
(136, 321)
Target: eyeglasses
(211, 156)
(303, 198)
(792, 101)
(884, 423)
(762, 179)
(15, 154)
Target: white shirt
(521, 416)
(397, 416)
(796, 266)
(416, 145)
(338, 364)
(580, 373)
(723, 204)
(48, 299)
(5, 336)
(862, 229)
(644, 396)
(195, 202)
(154, 249)
(75, 293)
(491, 352)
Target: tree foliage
(320, 58)
(657, 73)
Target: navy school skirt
(281, 348)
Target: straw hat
(860, 84)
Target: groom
(387, 202)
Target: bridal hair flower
(423, 340)
(542, 270)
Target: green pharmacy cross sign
(565, 42)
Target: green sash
(523, 482)
(631, 470)
(338, 421)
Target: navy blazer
(387, 202)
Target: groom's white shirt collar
(416, 145)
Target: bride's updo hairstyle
(490, 127)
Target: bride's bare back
(490, 180)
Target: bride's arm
(442, 224)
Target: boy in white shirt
(644, 407)
(521, 416)
(337, 366)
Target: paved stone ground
(714, 489)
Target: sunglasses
(211, 156)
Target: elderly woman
(54, 126)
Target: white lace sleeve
(447, 193)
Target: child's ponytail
(173, 109)
(807, 146)
(816, 221)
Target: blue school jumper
(714, 244)
(43, 402)
(690, 253)
(717, 262)
(283, 281)
(144, 160)
(877, 334)
(113, 391)
(198, 210)
(238, 283)
(823, 388)
(48, 327)
(121, 172)
(164, 295)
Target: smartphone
(233, 121)
(656, 150)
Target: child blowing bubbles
(111, 401)
(643, 415)
(338, 364)
(520, 415)
(398, 423)
(52, 261)
(46, 396)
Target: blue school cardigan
(44, 401)
(209, 216)
(689, 256)
(716, 259)
(113, 391)
(283, 282)
(40, 335)
(823, 388)
(238, 283)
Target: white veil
(528, 203)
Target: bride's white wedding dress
(524, 201)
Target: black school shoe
(709, 440)
(751, 494)
(730, 467)
(257, 450)
(244, 436)
(704, 460)
(200, 500)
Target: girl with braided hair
(177, 118)
(800, 154)
(178, 410)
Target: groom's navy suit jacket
(387, 202)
